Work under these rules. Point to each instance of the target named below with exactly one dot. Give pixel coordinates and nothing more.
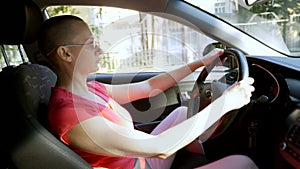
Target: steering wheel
(203, 93)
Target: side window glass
(15, 56)
(138, 42)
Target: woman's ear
(64, 53)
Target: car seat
(25, 92)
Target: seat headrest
(20, 22)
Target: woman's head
(56, 31)
(64, 38)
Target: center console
(290, 146)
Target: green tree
(58, 10)
(283, 8)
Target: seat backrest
(25, 92)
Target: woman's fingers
(212, 55)
(240, 93)
(246, 81)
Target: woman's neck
(75, 83)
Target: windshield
(276, 24)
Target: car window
(16, 55)
(138, 42)
(276, 23)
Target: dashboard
(277, 81)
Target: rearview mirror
(254, 2)
(249, 3)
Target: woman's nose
(99, 51)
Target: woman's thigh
(176, 117)
(231, 162)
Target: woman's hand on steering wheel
(230, 87)
(212, 56)
(238, 94)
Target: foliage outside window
(276, 24)
(15, 56)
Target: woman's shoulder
(99, 89)
(58, 93)
(96, 84)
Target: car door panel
(149, 109)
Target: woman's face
(85, 50)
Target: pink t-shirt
(67, 109)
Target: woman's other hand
(238, 94)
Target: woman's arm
(153, 86)
(98, 135)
